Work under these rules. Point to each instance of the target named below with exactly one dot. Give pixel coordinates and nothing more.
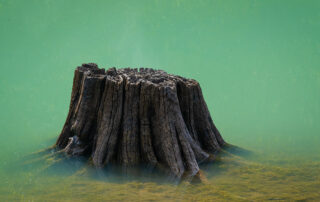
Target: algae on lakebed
(232, 178)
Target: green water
(258, 63)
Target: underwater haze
(257, 61)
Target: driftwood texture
(130, 117)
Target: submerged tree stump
(146, 116)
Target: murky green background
(258, 63)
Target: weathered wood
(131, 117)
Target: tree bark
(131, 117)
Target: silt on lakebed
(132, 117)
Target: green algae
(232, 178)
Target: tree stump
(130, 117)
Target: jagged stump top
(156, 77)
(146, 116)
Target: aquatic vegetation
(233, 177)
